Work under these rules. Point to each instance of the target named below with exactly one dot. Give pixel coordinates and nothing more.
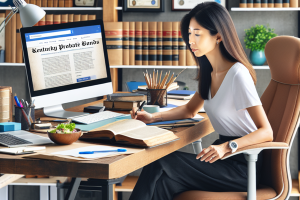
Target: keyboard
(12, 141)
(96, 117)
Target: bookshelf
(264, 9)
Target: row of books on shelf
(269, 3)
(10, 39)
(52, 3)
(146, 43)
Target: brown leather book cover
(278, 3)
(270, 3)
(8, 39)
(152, 43)
(44, 3)
(70, 17)
(138, 43)
(68, 3)
(55, 3)
(84, 17)
(61, 3)
(286, 3)
(175, 55)
(181, 48)
(56, 19)
(49, 19)
(19, 42)
(249, 3)
(64, 18)
(264, 3)
(131, 43)
(49, 3)
(13, 39)
(42, 22)
(125, 43)
(77, 18)
(190, 61)
(159, 43)
(257, 4)
(145, 39)
(32, 2)
(92, 17)
(243, 3)
(113, 35)
(167, 43)
(294, 3)
(39, 3)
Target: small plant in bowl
(64, 134)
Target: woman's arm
(264, 133)
(188, 110)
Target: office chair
(281, 102)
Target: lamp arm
(9, 16)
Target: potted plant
(256, 39)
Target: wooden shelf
(65, 8)
(265, 9)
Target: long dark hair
(215, 18)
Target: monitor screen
(64, 57)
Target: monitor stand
(59, 112)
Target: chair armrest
(257, 148)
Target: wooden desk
(106, 170)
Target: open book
(133, 132)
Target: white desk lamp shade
(30, 14)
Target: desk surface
(103, 168)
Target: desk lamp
(30, 14)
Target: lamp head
(30, 14)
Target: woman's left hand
(213, 152)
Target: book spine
(92, 17)
(13, 39)
(152, 43)
(44, 3)
(257, 4)
(114, 36)
(32, 2)
(131, 43)
(70, 17)
(64, 18)
(56, 19)
(138, 43)
(55, 3)
(264, 3)
(145, 39)
(175, 53)
(49, 3)
(278, 3)
(270, 3)
(294, 3)
(243, 3)
(39, 3)
(159, 43)
(286, 3)
(249, 3)
(42, 22)
(77, 18)
(19, 42)
(61, 3)
(167, 43)
(181, 48)
(125, 43)
(68, 3)
(8, 39)
(84, 17)
(49, 19)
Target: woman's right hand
(141, 115)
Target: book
(70, 17)
(120, 105)
(19, 52)
(126, 97)
(270, 3)
(68, 3)
(264, 3)
(278, 3)
(175, 56)
(131, 43)
(92, 17)
(193, 120)
(55, 3)
(64, 18)
(39, 3)
(173, 86)
(249, 3)
(49, 3)
(114, 36)
(286, 3)
(84, 17)
(181, 49)
(44, 3)
(182, 92)
(13, 38)
(49, 19)
(77, 18)
(152, 43)
(138, 43)
(8, 39)
(56, 19)
(180, 97)
(132, 132)
(294, 3)
(61, 3)
(32, 2)
(167, 43)
(159, 43)
(42, 22)
(125, 43)
(243, 3)
(257, 4)
(145, 51)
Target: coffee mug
(151, 108)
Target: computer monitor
(66, 63)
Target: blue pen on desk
(17, 101)
(103, 151)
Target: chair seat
(263, 192)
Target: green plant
(257, 37)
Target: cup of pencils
(24, 113)
(157, 86)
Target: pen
(140, 108)
(17, 101)
(103, 151)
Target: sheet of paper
(75, 152)
(197, 116)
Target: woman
(227, 92)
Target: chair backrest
(133, 85)
(281, 102)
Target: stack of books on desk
(142, 89)
(181, 94)
(123, 101)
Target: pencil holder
(19, 116)
(157, 97)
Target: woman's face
(200, 40)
